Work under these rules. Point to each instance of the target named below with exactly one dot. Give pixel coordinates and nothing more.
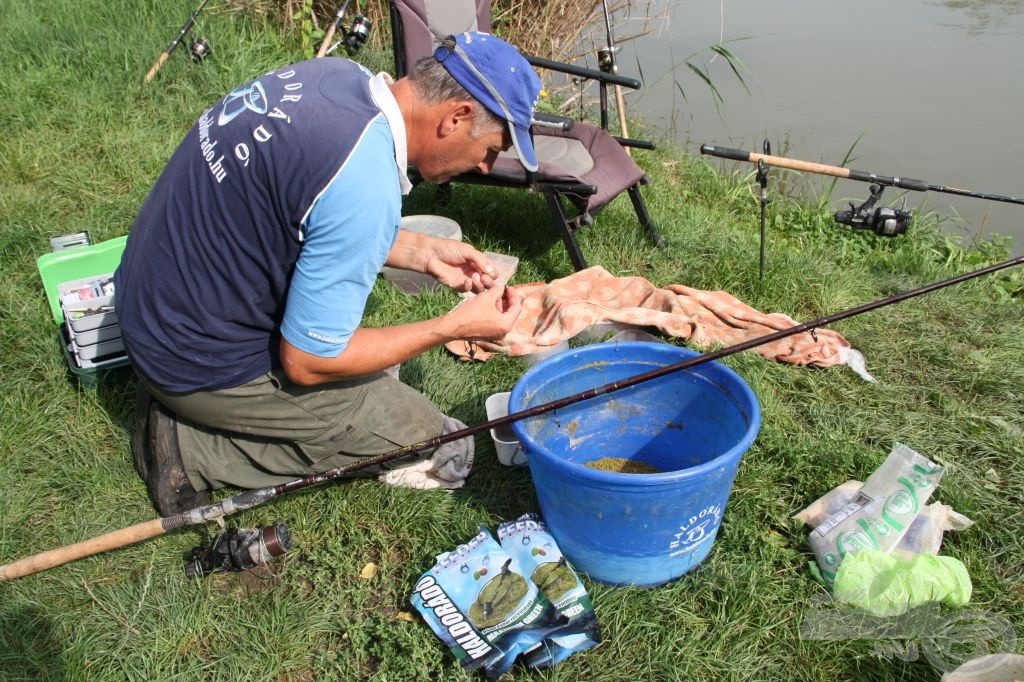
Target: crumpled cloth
(565, 307)
(447, 467)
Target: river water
(927, 89)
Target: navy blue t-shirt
(203, 282)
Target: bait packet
(481, 603)
(527, 539)
(880, 514)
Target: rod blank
(254, 498)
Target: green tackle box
(78, 278)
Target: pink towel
(562, 309)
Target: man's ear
(460, 113)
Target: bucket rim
(745, 397)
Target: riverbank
(83, 142)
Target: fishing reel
(606, 58)
(199, 49)
(355, 37)
(357, 34)
(885, 221)
(239, 549)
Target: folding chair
(584, 164)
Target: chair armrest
(631, 142)
(592, 74)
(552, 121)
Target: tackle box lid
(80, 262)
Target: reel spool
(199, 49)
(239, 549)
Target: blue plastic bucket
(692, 425)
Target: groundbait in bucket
(482, 604)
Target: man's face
(460, 152)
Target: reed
(556, 30)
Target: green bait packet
(528, 540)
(481, 603)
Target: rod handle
(328, 37)
(620, 106)
(812, 167)
(156, 65)
(725, 152)
(63, 555)
(778, 161)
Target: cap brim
(522, 140)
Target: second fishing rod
(883, 221)
(851, 174)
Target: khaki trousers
(270, 431)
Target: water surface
(933, 90)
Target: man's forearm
(369, 350)
(488, 315)
(407, 252)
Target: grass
(83, 140)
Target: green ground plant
(83, 140)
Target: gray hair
(435, 85)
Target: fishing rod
(200, 49)
(606, 63)
(849, 173)
(253, 498)
(884, 221)
(762, 180)
(329, 35)
(354, 38)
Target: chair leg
(565, 230)
(645, 218)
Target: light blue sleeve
(347, 237)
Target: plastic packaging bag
(528, 540)
(924, 535)
(888, 585)
(482, 604)
(880, 514)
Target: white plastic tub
(510, 452)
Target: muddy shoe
(168, 484)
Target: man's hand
(488, 316)
(449, 261)
(459, 266)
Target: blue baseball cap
(501, 79)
